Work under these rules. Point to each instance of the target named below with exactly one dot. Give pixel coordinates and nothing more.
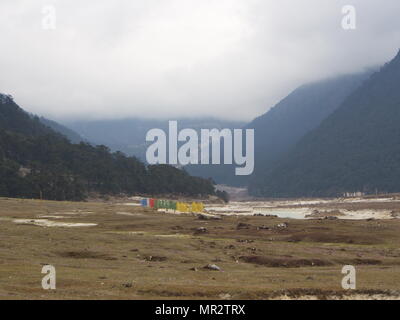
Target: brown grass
(152, 255)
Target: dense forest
(357, 148)
(37, 162)
(71, 135)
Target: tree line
(36, 162)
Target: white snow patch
(49, 223)
(286, 209)
(129, 214)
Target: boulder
(212, 267)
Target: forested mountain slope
(281, 127)
(37, 162)
(357, 148)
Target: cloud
(232, 59)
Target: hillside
(37, 162)
(355, 149)
(13, 118)
(301, 111)
(282, 126)
(71, 135)
(129, 135)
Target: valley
(118, 250)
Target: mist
(165, 59)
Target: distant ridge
(37, 162)
(357, 148)
(71, 135)
(129, 135)
(281, 127)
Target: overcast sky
(232, 59)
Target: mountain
(13, 118)
(37, 162)
(282, 126)
(355, 149)
(129, 135)
(71, 135)
(301, 111)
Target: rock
(283, 225)
(263, 228)
(200, 230)
(155, 258)
(212, 267)
(128, 284)
(230, 247)
(194, 269)
(242, 226)
(265, 215)
(225, 296)
(206, 216)
(331, 218)
(395, 214)
(245, 241)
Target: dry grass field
(136, 253)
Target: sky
(229, 59)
